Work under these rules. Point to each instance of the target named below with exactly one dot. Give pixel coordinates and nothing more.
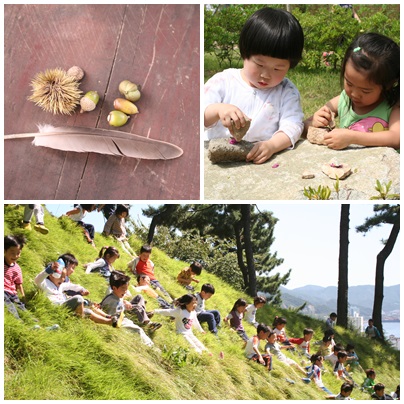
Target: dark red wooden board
(156, 46)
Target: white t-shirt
(249, 314)
(184, 320)
(271, 110)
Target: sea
(392, 332)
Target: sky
(307, 238)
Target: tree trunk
(240, 260)
(158, 219)
(379, 281)
(252, 278)
(342, 304)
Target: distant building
(356, 322)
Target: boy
(212, 317)
(371, 331)
(339, 368)
(52, 282)
(114, 304)
(115, 226)
(143, 286)
(252, 349)
(13, 274)
(379, 393)
(70, 263)
(143, 265)
(333, 357)
(330, 323)
(187, 275)
(346, 390)
(251, 310)
(304, 343)
(317, 361)
(369, 382)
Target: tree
(384, 214)
(342, 303)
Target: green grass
(316, 87)
(86, 361)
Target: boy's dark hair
(259, 299)
(307, 331)
(349, 347)
(378, 386)
(327, 339)
(279, 320)
(238, 303)
(208, 288)
(346, 387)
(196, 267)
(87, 207)
(314, 358)
(118, 279)
(333, 314)
(121, 209)
(145, 248)
(329, 332)
(263, 327)
(111, 251)
(140, 276)
(14, 241)
(341, 354)
(69, 259)
(338, 348)
(272, 32)
(185, 299)
(379, 57)
(370, 372)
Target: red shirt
(146, 268)
(12, 278)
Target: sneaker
(150, 314)
(41, 228)
(154, 326)
(26, 226)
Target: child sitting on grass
(252, 349)
(52, 282)
(212, 317)
(379, 393)
(143, 286)
(369, 381)
(71, 262)
(114, 304)
(235, 317)
(251, 310)
(116, 227)
(143, 265)
(279, 325)
(339, 368)
(345, 392)
(273, 347)
(13, 246)
(106, 257)
(325, 347)
(317, 361)
(304, 343)
(186, 318)
(187, 275)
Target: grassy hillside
(83, 360)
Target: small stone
(307, 175)
(220, 150)
(336, 170)
(238, 134)
(316, 135)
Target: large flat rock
(247, 181)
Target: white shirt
(249, 314)
(184, 319)
(271, 110)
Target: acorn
(117, 118)
(125, 106)
(55, 91)
(89, 101)
(76, 72)
(130, 90)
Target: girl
(106, 257)
(185, 319)
(368, 107)
(317, 361)
(252, 349)
(235, 316)
(116, 227)
(77, 214)
(279, 329)
(271, 43)
(273, 347)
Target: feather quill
(102, 141)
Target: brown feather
(102, 141)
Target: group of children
(188, 312)
(271, 42)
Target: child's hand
(85, 292)
(261, 152)
(322, 117)
(337, 139)
(228, 113)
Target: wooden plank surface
(156, 46)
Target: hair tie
(357, 49)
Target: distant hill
(321, 301)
